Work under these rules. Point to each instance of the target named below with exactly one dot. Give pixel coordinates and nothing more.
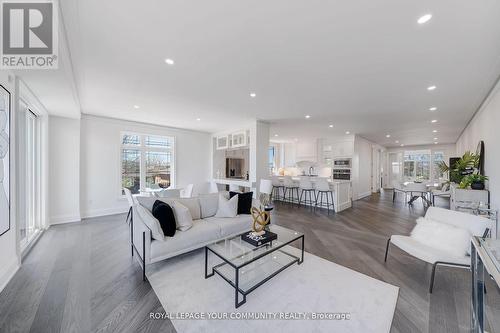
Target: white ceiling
(362, 66)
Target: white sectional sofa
(206, 228)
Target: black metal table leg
(206, 265)
(302, 254)
(237, 304)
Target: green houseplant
(463, 167)
(474, 181)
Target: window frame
(143, 149)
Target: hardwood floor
(81, 277)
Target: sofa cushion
(244, 201)
(208, 204)
(151, 222)
(165, 214)
(201, 233)
(232, 226)
(227, 208)
(183, 218)
(191, 203)
(441, 236)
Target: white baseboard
(104, 212)
(64, 219)
(8, 274)
(364, 195)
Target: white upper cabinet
(239, 139)
(307, 150)
(223, 142)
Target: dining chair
(417, 190)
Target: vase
(477, 186)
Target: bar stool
(277, 185)
(323, 189)
(291, 188)
(306, 186)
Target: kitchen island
(342, 191)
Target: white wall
(64, 170)
(485, 126)
(100, 161)
(361, 172)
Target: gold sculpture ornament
(260, 219)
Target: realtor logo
(29, 35)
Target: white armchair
(442, 239)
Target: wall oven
(342, 174)
(342, 163)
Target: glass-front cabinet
(239, 139)
(222, 142)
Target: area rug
(316, 296)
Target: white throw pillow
(151, 222)
(183, 217)
(441, 236)
(227, 208)
(208, 204)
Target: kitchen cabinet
(222, 142)
(239, 139)
(307, 150)
(330, 149)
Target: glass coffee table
(246, 267)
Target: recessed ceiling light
(424, 19)
(169, 61)
(347, 132)
(402, 145)
(431, 87)
(434, 121)
(331, 126)
(397, 141)
(436, 143)
(253, 94)
(136, 106)
(388, 136)
(276, 135)
(433, 108)
(435, 138)
(435, 131)
(198, 119)
(308, 116)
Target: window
(272, 160)
(146, 162)
(438, 157)
(417, 165)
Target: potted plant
(474, 181)
(463, 167)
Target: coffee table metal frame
(237, 268)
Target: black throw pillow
(244, 201)
(165, 215)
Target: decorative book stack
(258, 240)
